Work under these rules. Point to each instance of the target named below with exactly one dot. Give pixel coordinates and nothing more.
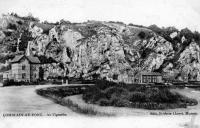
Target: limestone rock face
(114, 52)
(36, 31)
(70, 38)
(173, 35)
(190, 61)
(107, 50)
(2, 36)
(107, 54)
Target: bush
(142, 35)
(115, 91)
(57, 82)
(11, 82)
(138, 97)
(90, 97)
(120, 102)
(8, 83)
(104, 102)
(103, 84)
(135, 96)
(12, 26)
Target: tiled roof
(34, 60)
(31, 59)
(17, 58)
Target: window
(23, 67)
(152, 80)
(149, 79)
(144, 79)
(155, 79)
(23, 75)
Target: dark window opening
(23, 75)
(23, 67)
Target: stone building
(150, 77)
(25, 68)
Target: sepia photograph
(100, 63)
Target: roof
(31, 59)
(8, 71)
(34, 60)
(45, 60)
(17, 58)
(151, 73)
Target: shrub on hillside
(142, 35)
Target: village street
(24, 99)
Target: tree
(26, 36)
(142, 35)
(155, 28)
(12, 26)
(197, 37)
(187, 33)
(62, 21)
(45, 22)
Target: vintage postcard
(123, 63)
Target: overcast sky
(179, 13)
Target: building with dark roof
(25, 68)
(31, 59)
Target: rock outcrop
(109, 50)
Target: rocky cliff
(110, 50)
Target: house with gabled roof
(25, 68)
(29, 67)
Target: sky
(178, 13)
